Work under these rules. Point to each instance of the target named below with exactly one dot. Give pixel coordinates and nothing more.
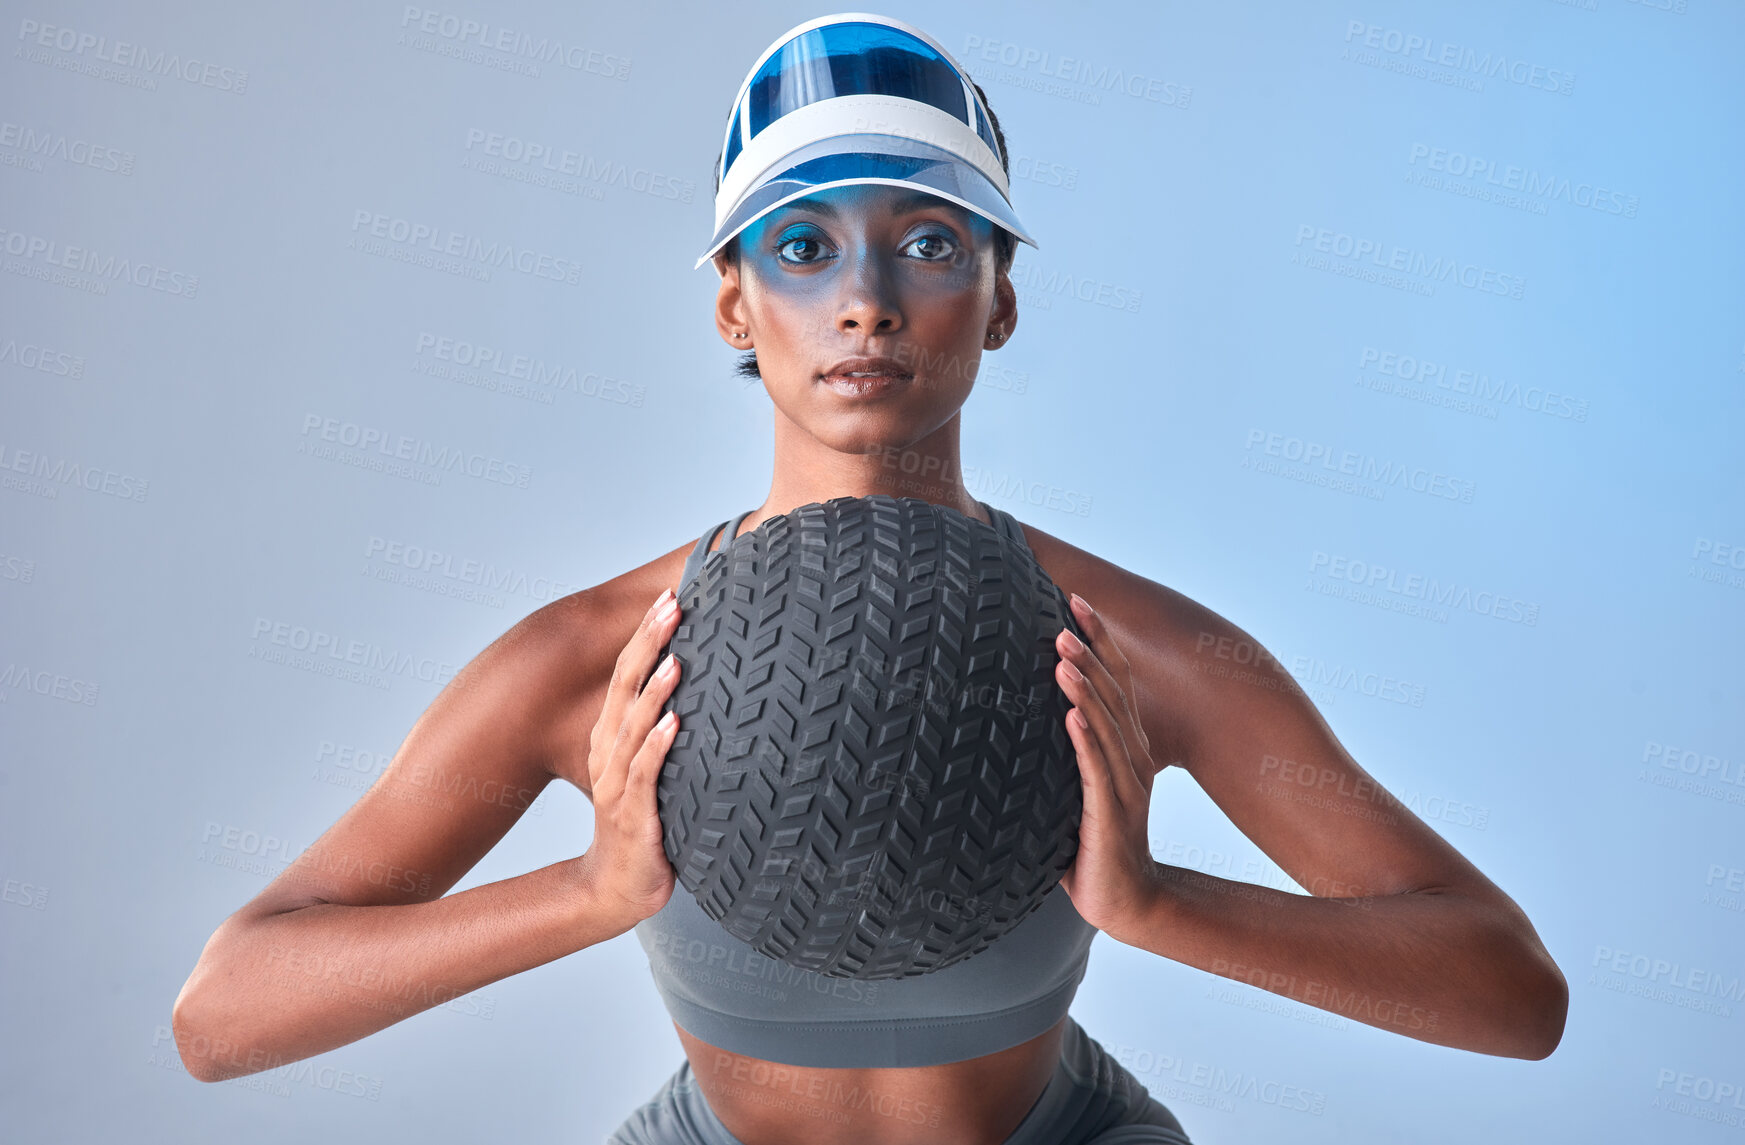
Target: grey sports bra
(721, 990)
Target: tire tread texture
(872, 777)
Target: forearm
(1440, 967)
(276, 989)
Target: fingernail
(1073, 643)
(1072, 671)
(666, 721)
(666, 610)
(668, 665)
(1080, 605)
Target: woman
(863, 238)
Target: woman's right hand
(628, 868)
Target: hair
(1005, 242)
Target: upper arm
(1256, 744)
(477, 757)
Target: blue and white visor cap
(857, 98)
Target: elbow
(193, 1042)
(204, 1025)
(1547, 1030)
(1540, 1010)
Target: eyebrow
(914, 200)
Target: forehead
(876, 200)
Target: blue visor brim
(865, 158)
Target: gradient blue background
(1534, 748)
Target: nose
(868, 303)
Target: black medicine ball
(872, 777)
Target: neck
(929, 468)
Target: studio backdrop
(337, 337)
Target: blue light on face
(837, 212)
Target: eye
(942, 247)
(810, 249)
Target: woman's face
(869, 271)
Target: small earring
(995, 336)
(739, 335)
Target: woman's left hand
(1112, 880)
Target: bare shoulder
(1121, 595)
(1175, 645)
(563, 653)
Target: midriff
(978, 1101)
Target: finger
(1093, 764)
(646, 711)
(1118, 689)
(1099, 733)
(636, 659)
(1098, 698)
(1100, 637)
(629, 672)
(645, 767)
(1095, 663)
(643, 711)
(1114, 661)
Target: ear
(730, 317)
(1005, 309)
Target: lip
(887, 375)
